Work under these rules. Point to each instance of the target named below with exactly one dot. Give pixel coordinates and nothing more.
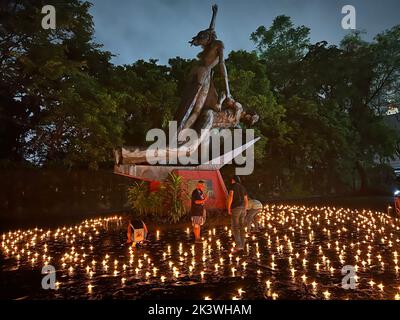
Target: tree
(369, 78)
(325, 90)
(148, 98)
(53, 105)
(282, 46)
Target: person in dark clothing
(198, 211)
(237, 206)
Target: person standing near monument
(198, 210)
(237, 206)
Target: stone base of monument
(154, 174)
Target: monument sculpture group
(203, 110)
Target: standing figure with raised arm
(201, 91)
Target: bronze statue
(200, 107)
(201, 92)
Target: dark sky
(161, 29)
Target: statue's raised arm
(214, 16)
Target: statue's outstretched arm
(214, 17)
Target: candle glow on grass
(300, 253)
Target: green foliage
(148, 98)
(146, 204)
(282, 46)
(167, 205)
(54, 103)
(174, 193)
(334, 126)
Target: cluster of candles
(302, 247)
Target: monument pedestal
(155, 174)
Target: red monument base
(215, 185)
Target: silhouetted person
(237, 206)
(198, 210)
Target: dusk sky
(161, 29)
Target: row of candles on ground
(350, 237)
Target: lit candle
(327, 294)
